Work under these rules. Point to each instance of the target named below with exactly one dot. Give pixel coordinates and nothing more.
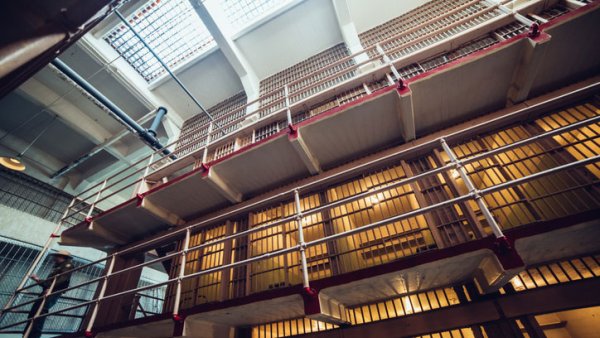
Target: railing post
(386, 60)
(94, 313)
(301, 242)
(93, 205)
(471, 187)
(147, 170)
(208, 140)
(39, 257)
(186, 245)
(40, 307)
(286, 93)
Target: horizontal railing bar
(534, 176)
(433, 142)
(302, 90)
(532, 139)
(391, 186)
(425, 23)
(346, 233)
(443, 29)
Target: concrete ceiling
(280, 40)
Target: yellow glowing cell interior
(549, 197)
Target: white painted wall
(295, 35)
(367, 14)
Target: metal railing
(299, 217)
(279, 104)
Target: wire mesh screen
(171, 28)
(21, 192)
(15, 259)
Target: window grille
(171, 28)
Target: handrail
(280, 100)
(326, 67)
(462, 198)
(362, 166)
(370, 192)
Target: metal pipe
(117, 112)
(165, 66)
(160, 113)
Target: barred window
(171, 28)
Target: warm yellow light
(455, 174)
(374, 200)
(407, 305)
(12, 163)
(517, 283)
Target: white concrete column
(348, 29)
(214, 19)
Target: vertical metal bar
(94, 313)
(386, 59)
(305, 281)
(34, 265)
(208, 140)
(471, 187)
(186, 245)
(286, 92)
(93, 205)
(147, 170)
(39, 310)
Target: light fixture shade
(12, 163)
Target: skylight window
(241, 13)
(173, 30)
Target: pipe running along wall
(148, 136)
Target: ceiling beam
(214, 19)
(73, 116)
(69, 113)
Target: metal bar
(286, 92)
(93, 205)
(204, 222)
(301, 243)
(413, 213)
(186, 245)
(386, 59)
(40, 308)
(94, 313)
(473, 190)
(390, 156)
(167, 68)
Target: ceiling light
(15, 163)
(12, 163)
